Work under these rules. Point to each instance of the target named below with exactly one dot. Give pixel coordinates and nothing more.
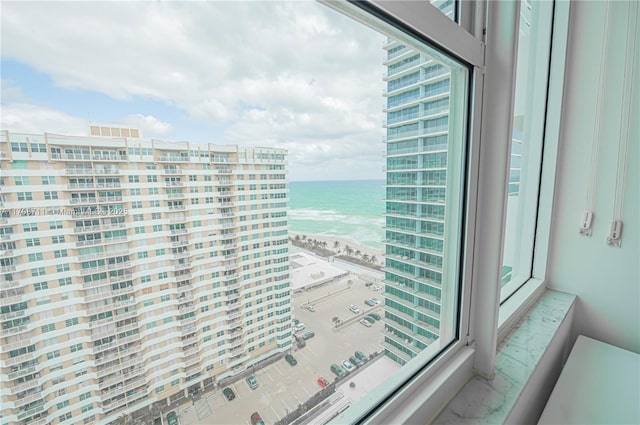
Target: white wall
(606, 280)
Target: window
(31, 242)
(534, 41)
(22, 181)
(53, 225)
(25, 196)
(35, 257)
(48, 180)
(50, 195)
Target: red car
(322, 382)
(256, 419)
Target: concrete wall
(606, 279)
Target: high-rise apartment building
(417, 110)
(135, 271)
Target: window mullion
(495, 151)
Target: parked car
(369, 303)
(252, 382)
(256, 419)
(172, 418)
(296, 321)
(322, 382)
(311, 308)
(369, 319)
(368, 284)
(354, 309)
(375, 300)
(291, 360)
(299, 327)
(308, 335)
(374, 316)
(362, 356)
(355, 361)
(365, 323)
(228, 393)
(347, 366)
(337, 370)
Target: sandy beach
(331, 240)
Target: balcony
(123, 389)
(110, 199)
(7, 269)
(22, 372)
(72, 186)
(120, 265)
(108, 294)
(192, 361)
(173, 158)
(83, 200)
(179, 232)
(89, 242)
(114, 157)
(78, 171)
(177, 207)
(109, 185)
(173, 171)
(174, 184)
(176, 195)
(182, 242)
(107, 171)
(12, 315)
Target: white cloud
(291, 74)
(26, 118)
(150, 125)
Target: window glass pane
(526, 148)
(178, 252)
(425, 97)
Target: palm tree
(304, 237)
(324, 244)
(348, 250)
(373, 259)
(297, 238)
(358, 253)
(365, 257)
(336, 245)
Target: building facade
(135, 272)
(417, 122)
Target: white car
(299, 327)
(355, 309)
(377, 288)
(375, 300)
(347, 366)
(365, 322)
(310, 308)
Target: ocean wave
(316, 215)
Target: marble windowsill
(531, 354)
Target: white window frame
(483, 319)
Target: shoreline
(343, 242)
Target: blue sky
(294, 75)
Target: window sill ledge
(528, 362)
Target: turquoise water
(349, 209)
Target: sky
(295, 75)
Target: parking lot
(281, 387)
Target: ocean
(348, 209)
